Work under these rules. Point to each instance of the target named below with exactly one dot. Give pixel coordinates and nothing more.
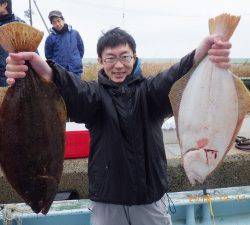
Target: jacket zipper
(132, 128)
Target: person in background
(64, 45)
(124, 112)
(6, 16)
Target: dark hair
(55, 17)
(113, 38)
(9, 5)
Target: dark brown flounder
(32, 126)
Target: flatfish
(209, 105)
(32, 126)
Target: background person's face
(57, 23)
(3, 9)
(120, 69)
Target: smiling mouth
(119, 74)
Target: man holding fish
(124, 112)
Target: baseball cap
(55, 13)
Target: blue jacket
(66, 49)
(3, 54)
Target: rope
(170, 201)
(209, 201)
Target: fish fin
(45, 189)
(224, 25)
(244, 97)
(176, 92)
(243, 107)
(61, 110)
(16, 37)
(3, 91)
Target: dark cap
(55, 13)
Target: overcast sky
(161, 28)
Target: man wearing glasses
(124, 112)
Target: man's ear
(100, 60)
(134, 57)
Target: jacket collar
(135, 76)
(55, 32)
(6, 18)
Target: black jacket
(127, 162)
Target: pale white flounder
(207, 119)
(209, 105)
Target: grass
(241, 70)
(91, 70)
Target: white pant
(150, 214)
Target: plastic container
(77, 141)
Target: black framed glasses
(123, 59)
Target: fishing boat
(217, 206)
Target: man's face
(117, 62)
(57, 23)
(3, 9)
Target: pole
(30, 13)
(123, 13)
(41, 16)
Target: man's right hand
(16, 67)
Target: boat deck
(222, 206)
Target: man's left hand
(217, 50)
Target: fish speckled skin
(32, 126)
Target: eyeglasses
(123, 59)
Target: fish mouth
(191, 149)
(207, 152)
(205, 149)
